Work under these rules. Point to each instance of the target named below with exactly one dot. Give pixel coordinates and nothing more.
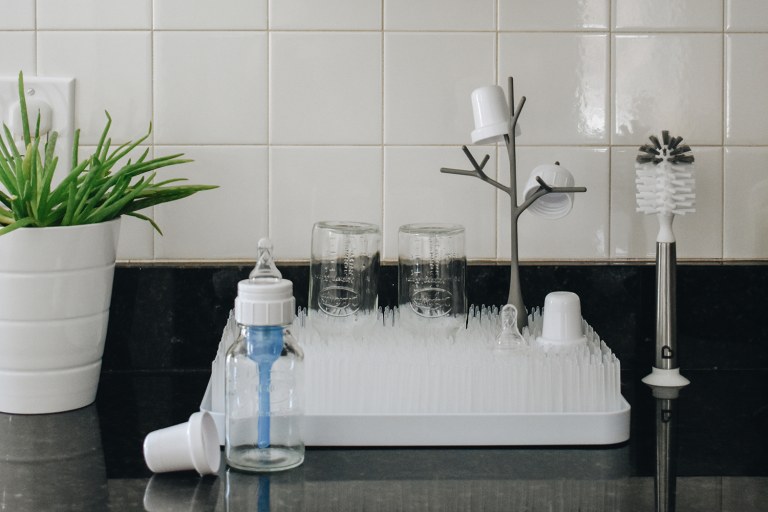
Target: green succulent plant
(99, 188)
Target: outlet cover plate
(59, 94)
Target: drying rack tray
(522, 429)
(519, 429)
(589, 381)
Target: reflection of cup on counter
(344, 273)
(52, 458)
(183, 492)
(431, 275)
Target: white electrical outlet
(54, 99)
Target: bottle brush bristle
(665, 183)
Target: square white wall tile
(224, 223)
(439, 15)
(325, 15)
(94, 14)
(210, 88)
(745, 212)
(663, 15)
(17, 15)
(553, 15)
(746, 92)
(682, 92)
(583, 233)
(112, 72)
(562, 107)
(699, 234)
(416, 191)
(428, 80)
(136, 238)
(746, 15)
(325, 88)
(22, 58)
(207, 15)
(311, 184)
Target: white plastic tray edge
(518, 429)
(578, 428)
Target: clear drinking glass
(431, 276)
(344, 273)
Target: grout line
(270, 203)
(609, 127)
(497, 75)
(153, 235)
(723, 122)
(602, 262)
(382, 176)
(37, 43)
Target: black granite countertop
(91, 459)
(165, 325)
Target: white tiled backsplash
(307, 110)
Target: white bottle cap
(265, 298)
(190, 445)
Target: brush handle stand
(666, 309)
(665, 372)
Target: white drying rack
(532, 398)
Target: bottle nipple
(510, 337)
(265, 266)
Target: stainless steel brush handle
(666, 311)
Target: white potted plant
(58, 246)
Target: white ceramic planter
(55, 290)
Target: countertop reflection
(704, 450)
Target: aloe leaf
(75, 147)
(152, 165)
(165, 195)
(113, 210)
(45, 190)
(132, 170)
(7, 177)
(5, 199)
(6, 217)
(148, 219)
(84, 190)
(5, 154)
(104, 153)
(26, 163)
(118, 150)
(61, 191)
(27, 221)
(24, 118)
(71, 204)
(104, 133)
(49, 165)
(12, 145)
(165, 183)
(117, 191)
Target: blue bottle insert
(264, 345)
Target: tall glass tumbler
(344, 273)
(431, 277)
